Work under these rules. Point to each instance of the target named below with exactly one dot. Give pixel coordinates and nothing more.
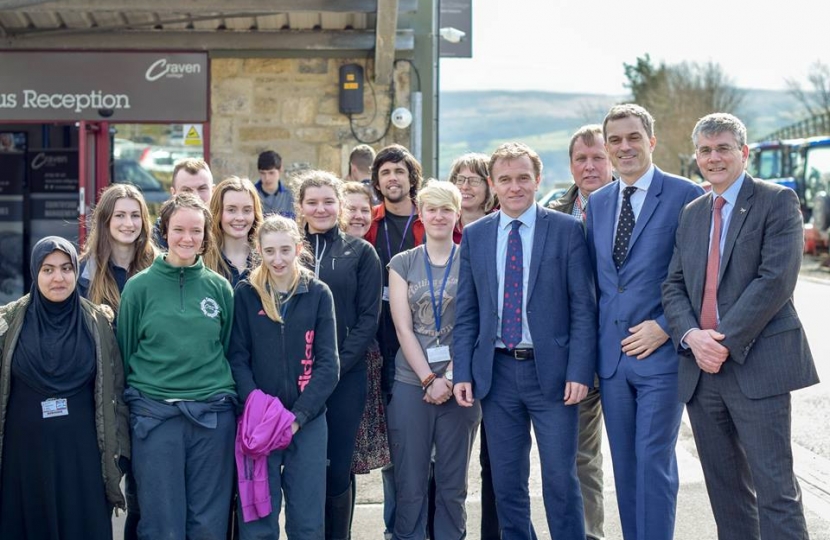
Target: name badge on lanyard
(439, 353)
(54, 407)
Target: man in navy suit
(524, 295)
(631, 228)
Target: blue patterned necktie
(624, 228)
(511, 311)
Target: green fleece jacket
(174, 327)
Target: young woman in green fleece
(174, 328)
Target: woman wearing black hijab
(63, 423)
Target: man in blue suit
(631, 229)
(524, 295)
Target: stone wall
(290, 105)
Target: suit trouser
(642, 419)
(415, 427)
(514, 402)
(746, 454)
(589, 463)
(489, 517)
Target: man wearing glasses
(742, 346)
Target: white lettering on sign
(8, 101)
(95, 99)
(42, 159)
(162, 68)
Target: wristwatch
(448, 375)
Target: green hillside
(480, 121)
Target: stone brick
(262, 133)
(332, 120)
(258, 66)
(232, 96)
(299, 111)
(224, 68)
(312, 65)
(221, 133)
(328, 158)
(224, 164)
(315, 134)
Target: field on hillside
(480, 121)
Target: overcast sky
(580, 46)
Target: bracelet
(428, 381)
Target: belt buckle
(522, 354)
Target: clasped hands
(439, 392)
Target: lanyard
(437, 304)
(403, 236)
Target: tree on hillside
(816, 99)
(677, 96)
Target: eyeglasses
(721, 149)
(474, 181)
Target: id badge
(385, 295)
(54, 407)
(438, 354)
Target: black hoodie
(296, 361)
(351, 268)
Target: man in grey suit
(728, 301)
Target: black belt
(518, 354)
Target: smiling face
(321, 208)
(357, 213)
(185, 235)
(629, 147)
(721, 159)
(472, 197)
(515, 183)
(279, 254)
(199, 184)
(393, 181)
(237, 214)
(125, 223)
(590, 165)
(56, 277)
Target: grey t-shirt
(410, 266)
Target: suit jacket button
(621, 289)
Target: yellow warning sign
(193, 135)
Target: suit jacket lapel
(736, 220)
(490, 259)
(540, 236)
(604, 208)
(698, 241)
(649, 206)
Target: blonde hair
(103, 288)
(261, 279)
(440, 195)
(213, 257)
(357, 188)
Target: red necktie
(709, 310)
